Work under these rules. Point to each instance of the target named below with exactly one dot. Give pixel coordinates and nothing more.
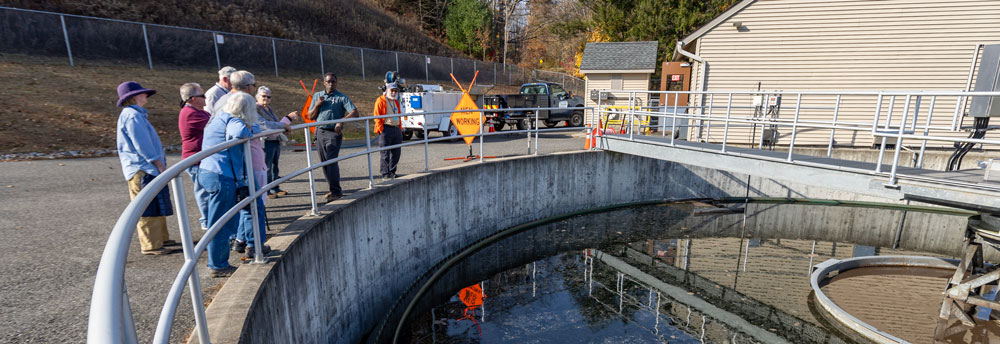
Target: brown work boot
(159, 252)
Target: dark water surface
(671, 274)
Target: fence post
(322, 67)
(149, 56)
(427, 72)
(69, 52)
(274, 52)
(452, 65)
(397, 61)
(494, 73)
(474, 67)
(362, 63)
(215, 42)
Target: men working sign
(467, 123)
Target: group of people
(232, 109)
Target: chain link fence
(89, 40)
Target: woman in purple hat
(143, 158)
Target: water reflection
(672, 276)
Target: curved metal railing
(110, 319)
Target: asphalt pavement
(56, 215)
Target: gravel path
(57, 215)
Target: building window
(616, 81)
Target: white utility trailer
(428, 98)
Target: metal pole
(397, 61)
(274, 52)
(631, 116)
(128, 327)
(494, 74)
(899, 229)
(927, 124)
(368, 144)
(899, 142)
(673, 122)
(215, 43)
(452, 68)
(427, 158)
(888, 120)
(481, 137)
(725, 130)
(194, 285)
(312, 180)
(149, 56)
(69, 52)
(362, 65)
(427, 72)
(536, 132)
(708, 130)
(836, 111)
(475, 68)
(258, 239)
(795, 124)
(322, 66)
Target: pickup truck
(534, 95)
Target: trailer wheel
(407, 135)
(498, 126)
(577, 119)
(524, 123)
(419, 134)
(551, 124)
(452, 132)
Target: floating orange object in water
(472, 296)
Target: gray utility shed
(617, 66)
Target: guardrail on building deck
(891, 119)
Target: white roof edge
(635, 71)
(715, 22)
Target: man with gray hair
(244, 81)
(191, 124)
(220, 89)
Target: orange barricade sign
(305, 107)
(472, 296)
(467, 123)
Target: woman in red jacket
(389, 130)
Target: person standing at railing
(272, 143)
(220, 89)
(330, 105)
(242, 81)
(223, 172)
(244, 241)
(389, 130)
(143, 158)
(191, 124)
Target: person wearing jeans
(219, 173)
(272, 143)
(191, 124)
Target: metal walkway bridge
(892, 127)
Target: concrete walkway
(56, 215)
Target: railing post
(258, 257)
(673, 122)
(312, 180)
(888, 120)
(69, 51)
(536, 131)
(482, 135)
(187, 243)
(795, 124)
(130, 335)
(215, 43)
(631, 116)
(927, 125)
(145, 38)
(368, 144)
(725, 131)
(362, 63)
(427, 158)
(899, 142)
(322, 64)
(274, 54)
(708, 129)
(836, 111)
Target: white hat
(391, 85)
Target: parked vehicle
(428, 98)
(535, 95)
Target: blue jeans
(245, 231)
(221, 197)
(272, 151)
(200, 196)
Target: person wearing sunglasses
(272, 143)
(191, 124)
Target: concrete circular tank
(336, 277)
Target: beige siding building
(857, 45)
(624, 66)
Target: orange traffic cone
(590, 137)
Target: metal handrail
(110, 317)
(882, 126)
